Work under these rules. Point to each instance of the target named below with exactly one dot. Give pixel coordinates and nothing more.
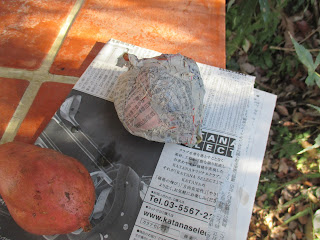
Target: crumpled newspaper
(161, 99)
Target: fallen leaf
(268, 220)
(293, 225)
(286, 217)
(302, 110)
(263, 227)
(304, 219)
(276, 199)
(298, 83)
(265, 47)
(264, 79)
(275, 165)
(276, 116)
(293, 103)
(246, 45)
(271, 132)
(260, 71)
(282, 110)
(288, 25)
(290, 88)
(283, 167)
(252, 225)
(242, 59)
(298, 233)
(266, 166)
(296, 117)
(291, 236)
(312, 152)
(252, 238)
(286, 195)
(281, 175)
(278, 232)
(307, 183)
(304, 27)
(263, 197)
(260, 204)
(247, 67)
(256, 208)
(312, 197)
(306, 119)
(291, 209)
(288, 124)
(293, 187)
(258, 232)
(281, 200)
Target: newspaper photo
(148, 190)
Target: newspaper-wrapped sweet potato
(161, 98)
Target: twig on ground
(305, 212)
(264, 86)
(313, 122)
(292, 201)
(303, 127)
(299, 179)
(307, 37)
(292, 49)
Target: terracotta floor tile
(50, 96)
(28, 28)
(195, 28)
(11, 92)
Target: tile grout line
(28, 75)
(43, 72)
(47, 62)
(36, 78)
(21, 111)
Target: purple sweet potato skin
(45, 191)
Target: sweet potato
(45, 191)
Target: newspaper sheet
(150, 190)
(192, 189)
